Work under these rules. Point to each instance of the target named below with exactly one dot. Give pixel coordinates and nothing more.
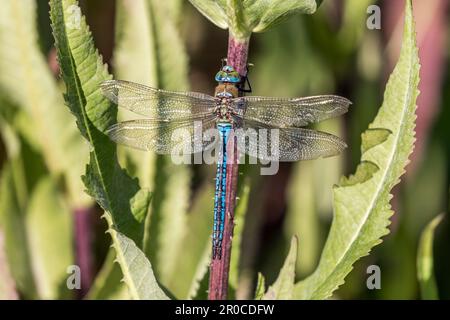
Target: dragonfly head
(228, 74)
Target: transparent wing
(286, 144)
(156, 103)
(295, 112)
(164, 137)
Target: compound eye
(221, 76)
(234, 77)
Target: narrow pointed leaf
(283, 288)
(425, 263)
(14, 234)
(139, 25)
(83, 71)
(199, 284)
(260, 287)
(150, 26)
(26, 81)
(49, 235)
(134, 29)
(125, 204)
(302, 216)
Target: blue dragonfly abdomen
(220, 205)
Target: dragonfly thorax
(226, 90)
(224, 94)
(223, 110)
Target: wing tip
(340, 145)
(344, 104)
(343, 101)
(334, 149)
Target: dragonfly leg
(245, 82)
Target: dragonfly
(228, 110)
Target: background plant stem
(218, 281)
(83, 238)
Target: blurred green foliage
(43, 155)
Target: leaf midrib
(121, 256)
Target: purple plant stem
(83, 240)
(238, 54)
(219, 268)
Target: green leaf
(167, 221)
(35, 221)
(49, 236)
(306, 73)
(283, 288)
(302, 217)
(203, 287)
(131, 17)
(214, 10)
(149, 27)
(125, 204)
(245, 17)
(361, 202)
(138, 273)
(171, 58)
(134, 29)
(260, 287)
(354, 17)
(7, 284)
(196, 235)
(83, 71)
(425, 264)
(108, 284)
(27, 82)
(15, 271)
(12, 222)
(38, 238)
(200, 282)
